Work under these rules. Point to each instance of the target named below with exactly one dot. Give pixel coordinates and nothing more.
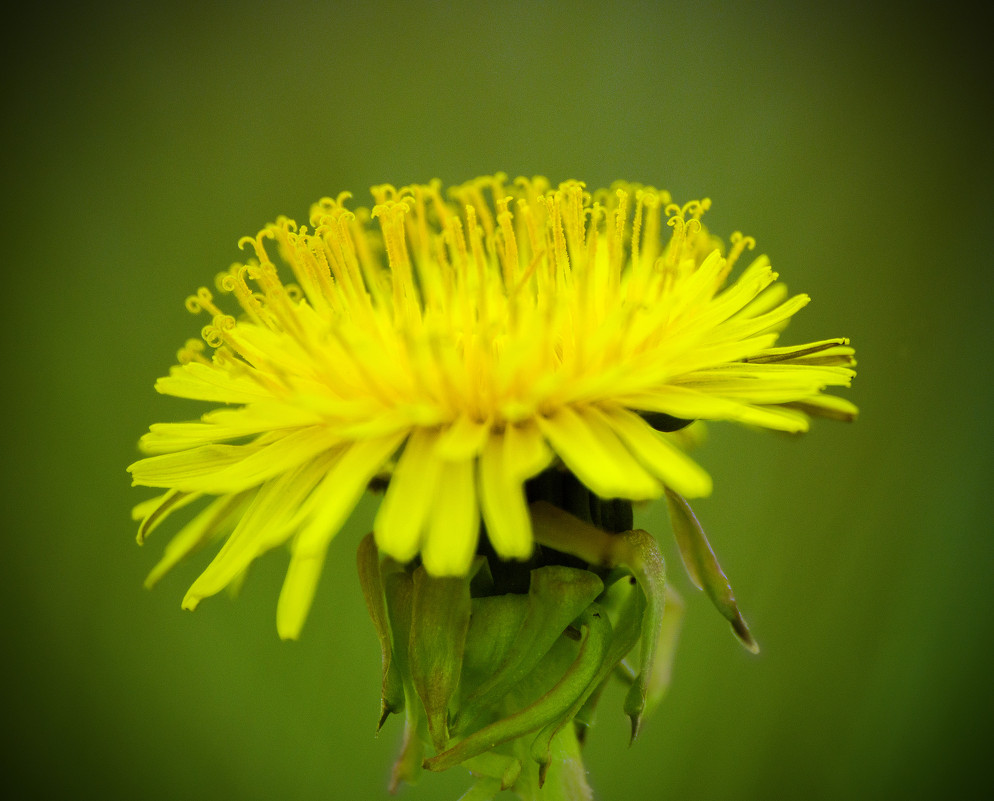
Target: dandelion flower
(450, 347)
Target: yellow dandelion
(450, 348)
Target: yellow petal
(189, 470)
(225, 424)
(220, 469)
(340, 490)
(330, 504)
(502, 499)
(463, 439)
(155, 510)
(525, 451)
(454, 521)
(209, 383)
(404, 511)
(206, 525)
(691, 404)
(754, 279)
(297, 593)
(745, 326)
(829, 406)
(263, 526)
(836, 350)
(591, 450)
(665, 460)
(768, 299)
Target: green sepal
(646, 563)
(407, 767)
(484, 789)
(398, 589)
(635, 550)
(506, 769)
(587, 714)
(594, 634)
(493, 625)
(623, 636)
(703, 568)
(371, 582)
(621, 591)
(566, 777)
(666, 641)
(439, 622)
(658, 681)
(556, 596)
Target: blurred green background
(142, 141)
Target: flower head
(452, 348)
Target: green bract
(505, 682)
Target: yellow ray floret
(456, 347)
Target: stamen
(508, 254)
(617, 241)
(384, 194)
(649, 242)
(637, 229)
(739, 244)
(529, 271)
(257, 246)
(234, 281)
(457, 245)
(364, 267)
(696, 208)
(391, 217)
(593, 236)
(212, 336)
(203, 301)
(338, 252)
(295, 249)
(470, 195)
(561, 265)
(445, 269)
(479, 257)
(192, 351)
(294, 292)
(641, 263)
(674, 249)
(422, 239)
(570, 197)
(533, 188)
(536, 247)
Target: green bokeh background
(851, 141)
